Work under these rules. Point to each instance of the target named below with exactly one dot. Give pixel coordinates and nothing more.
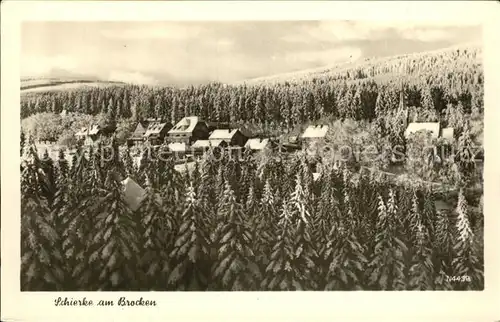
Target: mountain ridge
(51, 83)
(358, 63)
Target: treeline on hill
(434, 83)
(238, 224)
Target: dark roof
(155, 129)
(139, 131)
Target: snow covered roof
(316, 176)
(139, 131)
(201, 144)
(222, 134)
(186, 125)
(432, 127)
(133, 193)
(206, 143)
(177, 147)
(256, 144)
(448, 133)
(315, 131)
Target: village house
(138, 134)
(177, 148)
(200, 146)
(257, 144)
(313, 135)
(233, 137)
(228, 125)
(94, 133)
(156, 132)
(314, 132)
(189, 130)
(433, 127)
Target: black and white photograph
(328, 155)
(249, 160)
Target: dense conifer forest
(262, 221)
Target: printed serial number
(463, 278)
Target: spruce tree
(387, 267)
(324, 217)
(251, 206)
(427, 101)
(118, 251)
(343, 254)
(465, 157)
(281, 274)
(379, 104)
(347, 262)
(48, 184)
(23, 141)
(207, 195)
(465, 263)
(191, 248)
(63, 205)
(158, 229)
(303, 246)
(235, 268)
(415, 221)
(40, 269)
(128, 165)
(422, 269)
(443, 243)
(265, 225)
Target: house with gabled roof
(177, 147)
(138, 134)
(257, 144)
(206, 144)
(188, 130)
(314, 132)
(415, 127)
(313, 135)
(433, 127)
(200, 146)
(156, 132)
(233, 137)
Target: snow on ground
(62, 87)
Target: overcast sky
(197, 52)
